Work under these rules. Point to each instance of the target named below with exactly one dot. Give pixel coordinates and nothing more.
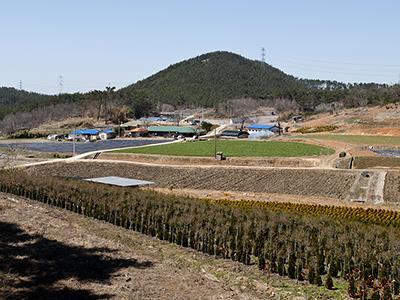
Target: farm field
(235, 149)
(124, 264)
(373, 162)
(309, 182)
(392, 187)
(230, 232)
(355, 139)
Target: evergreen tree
(261, 262)
(311, 275)
(318, 279)
(329, 282)
(292, 266)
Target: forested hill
(12, 100)
(216, 77)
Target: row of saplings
(299, 246)
(369, 215)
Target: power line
(263, 54)
(60, 84)
(337, 70)
(305, 59)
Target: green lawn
(356, 139)
(234, 148)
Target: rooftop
(261, 126)
(119, 181)
(171, 129)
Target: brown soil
(381, 162)
(231, 161)
(306, 182)
(378, 120)
(49, 253)
(392, 187)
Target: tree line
(109, 105)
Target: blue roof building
(86, 132)
(91, 131)
(263, 127)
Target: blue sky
(96, 43)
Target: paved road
(66, 147)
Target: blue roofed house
(253, 128)
(84, 135)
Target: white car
(52, 136)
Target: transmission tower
(20, 85)
(263, 54)
(60, 84)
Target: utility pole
(215, 143)
(73, 146)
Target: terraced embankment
(339, 184)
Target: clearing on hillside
(355, 139)
(235, 148)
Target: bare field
(299, 162)
(392, 187)
(55, 254)
(376, 162)
(307, 182)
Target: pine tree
(311, 275)
(281, 266)
(321, 263)
(292, 266)
(329, 282)
(261, 262)
(352, 290)
(299, 270)
(318, 279)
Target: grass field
(234, 149)
(356, 139)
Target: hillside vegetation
(12, 100)
(216, 77)
(209, 80)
